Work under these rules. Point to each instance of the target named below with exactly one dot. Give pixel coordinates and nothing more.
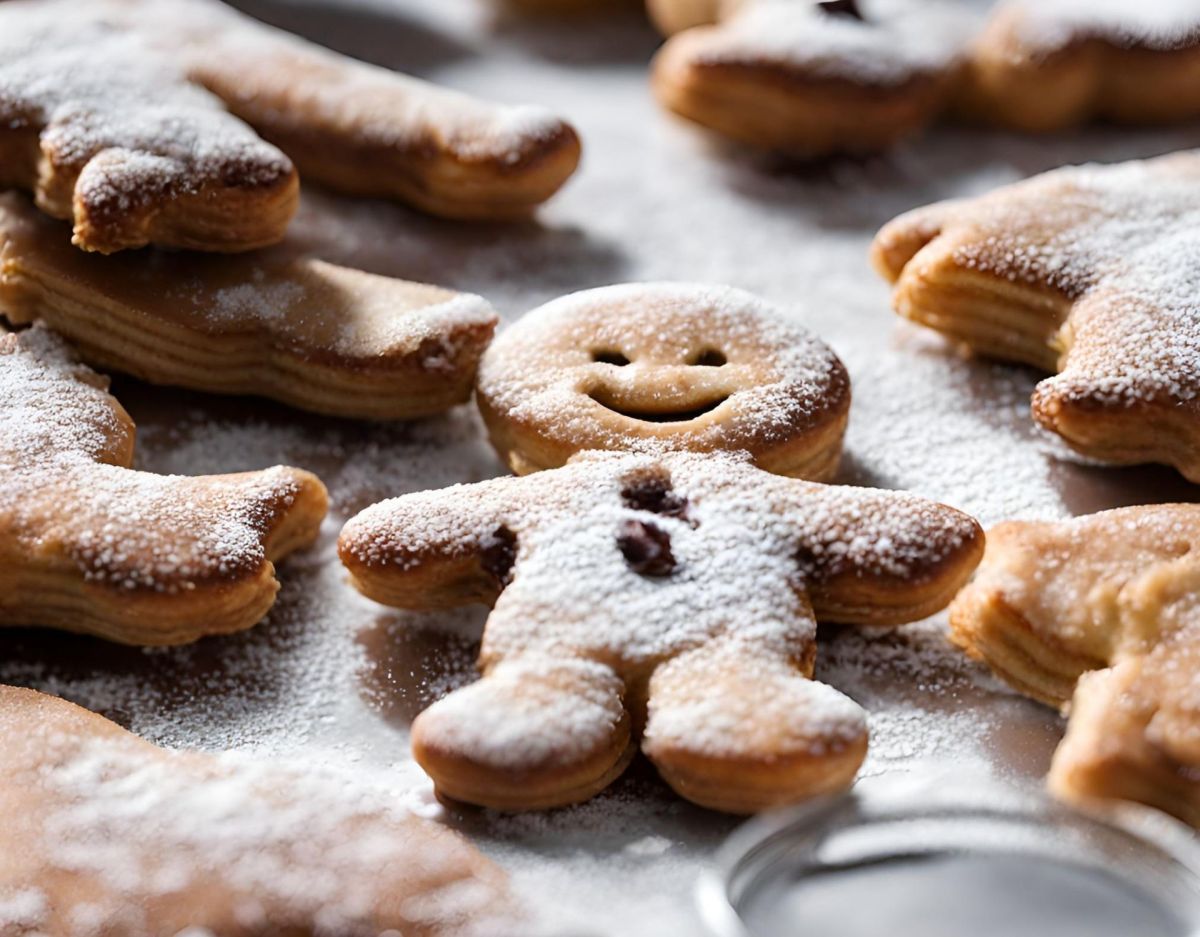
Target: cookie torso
(671, 597)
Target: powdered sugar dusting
(896, 41)
(1048, 25)
(59, 435)
(1124, 237)
(97, 89)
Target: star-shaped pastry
(1101, 615)
(669, 600)
(1088, 271)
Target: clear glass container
(930, 855)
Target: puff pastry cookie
(311, 334)
(811, 78)
(652, 366)
(106, 835)
(1088, 271)
(89, 545)
(113, 113)
(667, 601)
(1048, 64)
(1101, 613)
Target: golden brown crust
(1101, 612)
(314, 335)
(109, 836)
(668, 599)
(90, 545)
(664, 366)
(1079, 271)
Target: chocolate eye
(709, 358)
(610, 357)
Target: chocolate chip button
(654, 494)
(842, 8)
(646, 548)
(499, 554)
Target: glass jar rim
(937, 795)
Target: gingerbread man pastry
(664, 365)
(1088, 271)
(113, 112)
(665, 597)
(1101, 614)
(89, 545)
(1044, 65)
(806, 76)
(105, 834)
(309, 333)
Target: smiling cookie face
(664, 367)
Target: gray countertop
(334, 678)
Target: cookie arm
(368, 131)
(882, 557)
(155, 560)
(434, 549)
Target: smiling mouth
(658, 416)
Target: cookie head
(664, 367)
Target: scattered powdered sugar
(896, 41)
(1048, 25)
(332, 677)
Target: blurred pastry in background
(1043, 65)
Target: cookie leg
(531, 734)
(742, 729)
